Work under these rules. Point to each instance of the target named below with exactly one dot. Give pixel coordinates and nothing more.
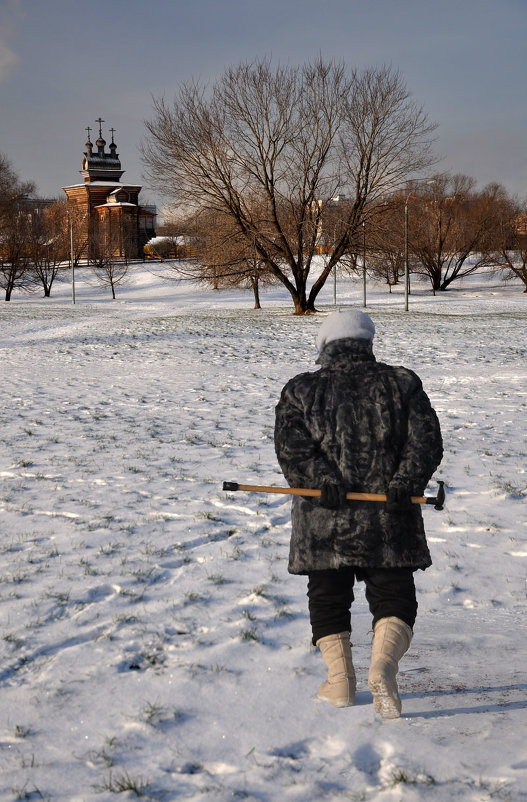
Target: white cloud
(7, 59)
(9, 12)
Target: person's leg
(390, 592)
(330, 596)
(391, 596)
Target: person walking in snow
(358, 425)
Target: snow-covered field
(153, 644)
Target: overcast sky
(64, 63)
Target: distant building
(170, 248)
(520, 224)
(106, 212)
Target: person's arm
(299, 455)
(423, 450)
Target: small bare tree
(79, 220)
(452, 227)
(270, 147)
(385, 238)
(49, 244)
(225, 258)
(106, 243)
(508, 251)
(15, 221)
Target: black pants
(389, 592)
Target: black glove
(332, 496)
(398, 500)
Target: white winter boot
(391, 639)
(339, 688)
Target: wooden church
(106, 215)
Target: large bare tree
(271, 146)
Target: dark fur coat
(368, 426)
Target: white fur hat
(345, 323)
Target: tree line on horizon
(274, 166)
(453, 231)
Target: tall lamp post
(406, 270)
(364, 263)
(334, 269)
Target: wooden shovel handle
(307, 491)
